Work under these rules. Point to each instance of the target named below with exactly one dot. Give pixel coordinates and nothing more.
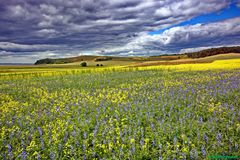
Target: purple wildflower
(133, 148)
(42, 143)
(114, 139)
(206, 139)
(72, 149)
(38, 157)
(24, 154)
(219, 138)
(203, 151)
(152, 126)
(236, 146)
(40, 131)
(74, 133)
(4, 156)
(84, 147)
(52, 155)
(175, 140)
(191, 155)
(59, 148)
(142, 142)
(230, 145)
(65, 137)
(10, 151)
(195, 153)
(77, 143)
(154, 142)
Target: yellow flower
(147, 140)
(103, 146)
(185, 149)
(132, 140)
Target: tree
(83, 64)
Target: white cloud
(49, 9)
(188, 8)
(5, 54)
(18, 11)
(163, 12)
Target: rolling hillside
(208, 59)
(207, 55)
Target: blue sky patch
(231, 12)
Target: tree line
(213, 51)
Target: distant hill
(213, 51)
(87, 58)
(64, 60)
(165, 57)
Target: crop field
(189, 111)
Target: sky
(36, 29)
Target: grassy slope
(191, 61)
(141, 61)
(92, 58)
(115, 62)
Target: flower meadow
(121, 114)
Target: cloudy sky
(35, 29)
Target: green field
(189, 111)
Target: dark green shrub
(83, 64)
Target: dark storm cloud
(89, 26)
(12, 47)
